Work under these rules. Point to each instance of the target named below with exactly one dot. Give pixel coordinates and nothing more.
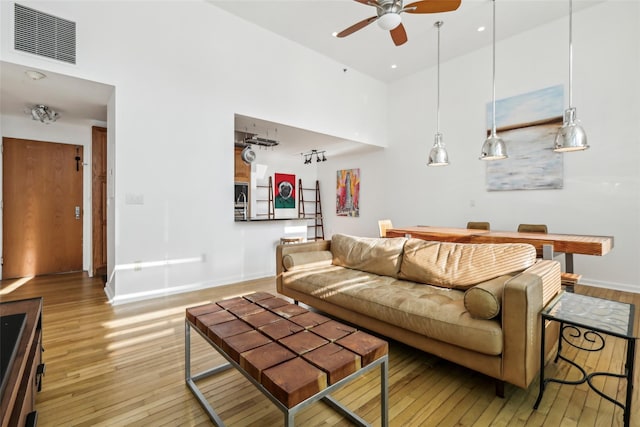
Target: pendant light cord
(493, 115)
(439, 24)
(570, 54)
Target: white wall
(601, 193)
(172, 122)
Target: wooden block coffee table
(293, 356)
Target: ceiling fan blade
(355, 27)
(399, 35)
(432, 6)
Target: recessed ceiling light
(35, 75)
(394, 66)
(334, 34)
(481, 28)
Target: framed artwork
(528, 124)
(284, 191)
(348, 192)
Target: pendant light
(438, 155)
(571, 136)
(494, 147)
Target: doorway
(42, 218)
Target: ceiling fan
(388, 15)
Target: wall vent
(45, 35)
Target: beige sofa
(476, 305)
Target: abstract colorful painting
(528, 124)
(348, 192)
(285, 191)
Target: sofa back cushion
(462, 265)
(374, 255)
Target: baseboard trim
(623, 287)
(158, 293)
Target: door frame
(97, 238)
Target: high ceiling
(311, 23)
(371, 51)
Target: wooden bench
(568, 280)
(292, 355)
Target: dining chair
(532, 228)
(479, 225)
(383, 225)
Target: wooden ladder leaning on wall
(316, 215)
(271, 212)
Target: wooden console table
(295, 357)
(24, 367)
(546, 244)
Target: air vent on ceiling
(45, 35)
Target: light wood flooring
(124, 365)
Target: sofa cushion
(373, 255)
(483, 301)
(435, 312)
(462, 265)
(311, 259)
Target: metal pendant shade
(438, 155)
(571, 136)
(494, 147)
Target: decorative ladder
(271, 212)
(316, 215)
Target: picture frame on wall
(284, 191)
(528, 123)
(348, 192)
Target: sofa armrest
(283, 250)
(523, 298)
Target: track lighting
(308, 157)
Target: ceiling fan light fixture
(389, 21)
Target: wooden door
(42, 215)
(99, 199)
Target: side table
(582, 316)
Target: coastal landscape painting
(528, 124)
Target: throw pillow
(483, 301)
